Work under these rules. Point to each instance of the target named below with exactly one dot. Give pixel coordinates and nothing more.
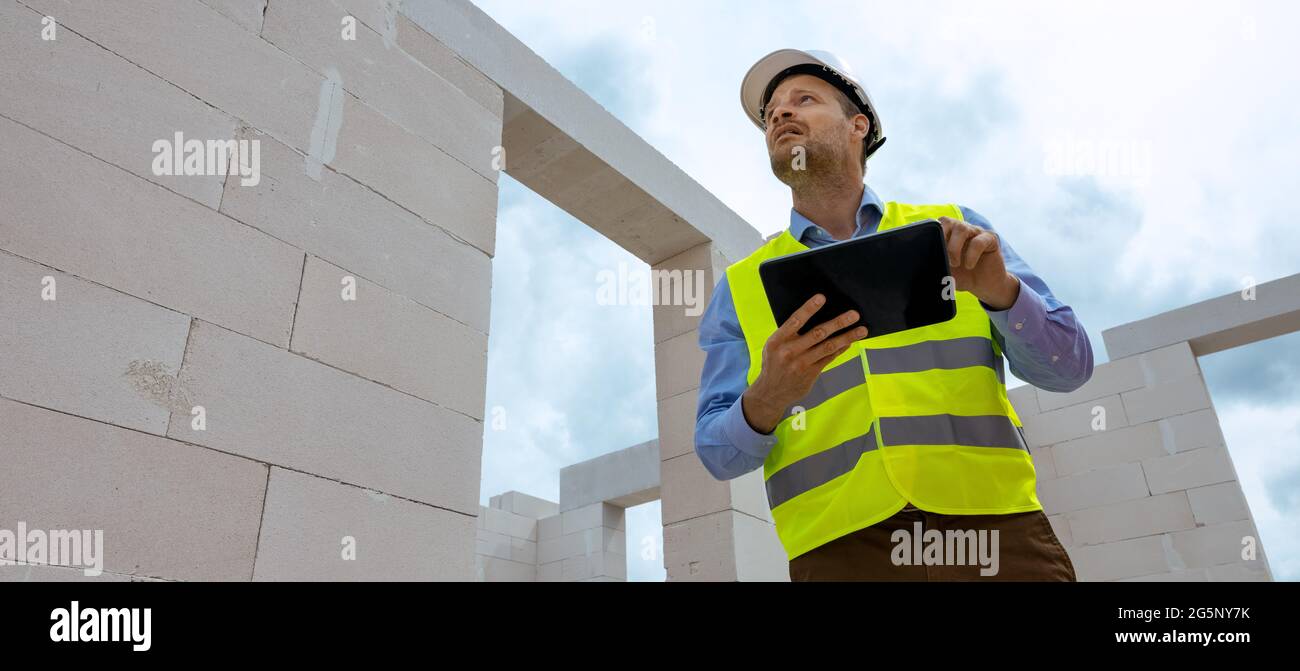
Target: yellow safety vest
(921, 415)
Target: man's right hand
(792, 362)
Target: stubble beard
(819, 160)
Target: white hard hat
(762, 78)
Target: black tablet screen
(895, 279)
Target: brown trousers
(1026, 549)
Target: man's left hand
(975, 257)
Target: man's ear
(863, 124)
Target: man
(866, 442)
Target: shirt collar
(801, 225)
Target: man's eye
(805, 97)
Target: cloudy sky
(988, 104)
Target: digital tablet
(894, 279)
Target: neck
(831, 204)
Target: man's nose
(778, 115)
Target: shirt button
(1054, 358)
(1019, 325)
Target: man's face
(807, 131)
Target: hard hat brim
(761, 74)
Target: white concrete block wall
(1151, 494)
(693, 501)
(506, 548)
(526, 538)
(324, 418)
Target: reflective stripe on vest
(820, 468)
(927, 355)
(921, 416)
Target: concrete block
(614, 566)
(505, 570)
(91, 352)
(390, 339)
(549, 528)
(1131, 519)
(592, 516)
(81, 94)
(1024, 399)
(1124, 559)
(1168, 364)
(1166, 399)
(749, 495)
(492, 544)
(247, 13)
(555, 549)
(625, 477)
(1108, 379)
(1240, 572)
(1044, 465)
(685, 291)
(1075, 421)
(678, 363)
(1216, 324)
(509, 524)
(689, 491)
(551, 572)
(1061, 527)
(1093, 488)
(1186, 470)
(1125, 445)
(523, 551)
(760, 556)
(582, 543)
(208, 55)
(1213, 545)
(378, 15)
(392, 249)
(677, 424)
(143, 240)
(1192, 430)
(520, 503)
(1193, 575)
(167, 509)
(614, 541)
(46, 573)
(416, 175)
(308, 517)
(1216, 504)
(575, 569)
(597, 565)
(271, 405)
(387, 79)
(702, 548)
(445, 63)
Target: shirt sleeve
(725, 442)
(1044, 341)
